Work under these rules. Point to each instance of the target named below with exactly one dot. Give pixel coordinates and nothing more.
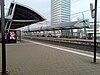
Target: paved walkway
(32, 59)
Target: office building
(60, 11)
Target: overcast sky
(43, 7)
(83, 5)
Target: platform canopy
(20, 15)
(64, 26)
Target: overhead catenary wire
(74, 1)
(82, 12)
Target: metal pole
(84, 24)
(3, 38)
(95, 20)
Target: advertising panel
(11, 36)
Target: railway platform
(35, 58)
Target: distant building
(90, 30)
(60, 11)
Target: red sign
(12, 35)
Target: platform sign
(12, 36)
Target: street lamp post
(3, 38)
(95, 20)
(94, 15)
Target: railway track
(81, 44)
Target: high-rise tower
(60, 11)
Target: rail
(66, 40)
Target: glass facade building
(60, 11)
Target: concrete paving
(32, 59)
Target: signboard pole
(3, 38)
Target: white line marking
(75, 52)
